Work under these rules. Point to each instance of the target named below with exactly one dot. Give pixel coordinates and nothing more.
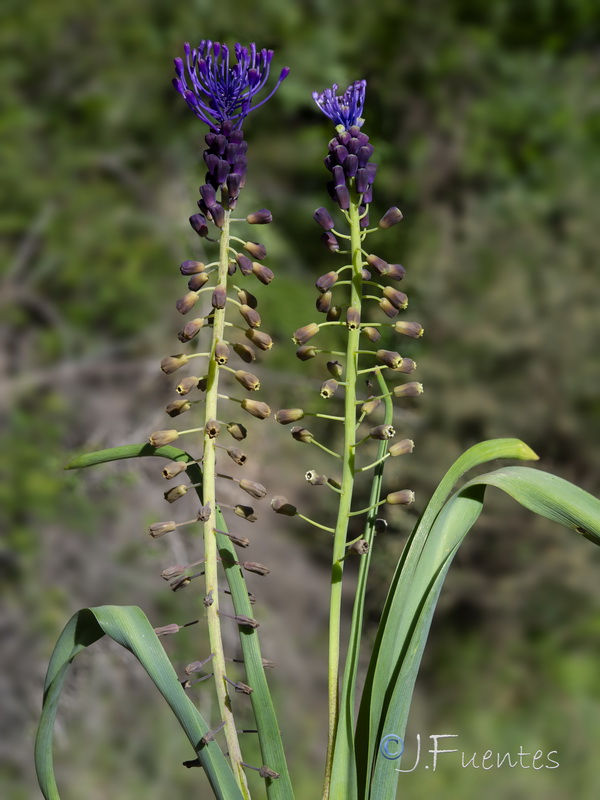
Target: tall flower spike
(218, 92)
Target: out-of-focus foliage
(486, 122)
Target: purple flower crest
(218, 92)
(345, 109)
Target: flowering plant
(361, 302)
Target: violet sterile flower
(221, 95)
(350, 150)
(344, 109)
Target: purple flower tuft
(344, 109)
(218, 92)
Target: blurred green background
(486, 123)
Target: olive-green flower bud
(323, 218)
(264, 274)
(306, 332)
(406, 365)
(412, 389)
(257, 408)
(236, 455)
(172, 572)
(176, 492)
(330, 241)
(412, 329)
(379, 265)
(251, 316)
(261, 217)
(173, 469)
(334, 313)
(329, 388)
(160, 528)
(187, 302)
(161, 438)
(287, 415)
(259, 569)
(247, 380)
(325, 282)
(241, 541)
(323, 302)
(352, 318)
(389, 357)
(262, 340)
(281, 505)
(402, 498)
(302, 434)
(335, 369)
(197, 281)
(395, 271)
(221, 353)
(245, 352)
(306, 352)
(370, 405)
(359, 548)
(237, 430)
(165, 630)
(391, 217)
(171, 363)
(256, 250)
(186, 385)
(382, 432)
(371, 333)
(191, 267)
(256, 490)
(190, 329)
(402, 448)
(244, 264)
(245, 512)
(178, 407)
(380, 525)
(247, 298)
(397, 298)
(315, 479)
(212, 428)
(219, 297)
(388, 308)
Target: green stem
(341, 528)
(210, 542)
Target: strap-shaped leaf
(130, 628)
(390, 640)
(269, 735)
(546, 495)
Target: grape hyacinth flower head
(221, 95)
(345, 109)
(350, 149)
(221, 92)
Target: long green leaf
(546, 495)
(269, 734)
(129, 627)
(388, 641)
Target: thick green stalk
(210, 542)
(341, 527)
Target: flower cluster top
(218, 92)
(345, 109)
